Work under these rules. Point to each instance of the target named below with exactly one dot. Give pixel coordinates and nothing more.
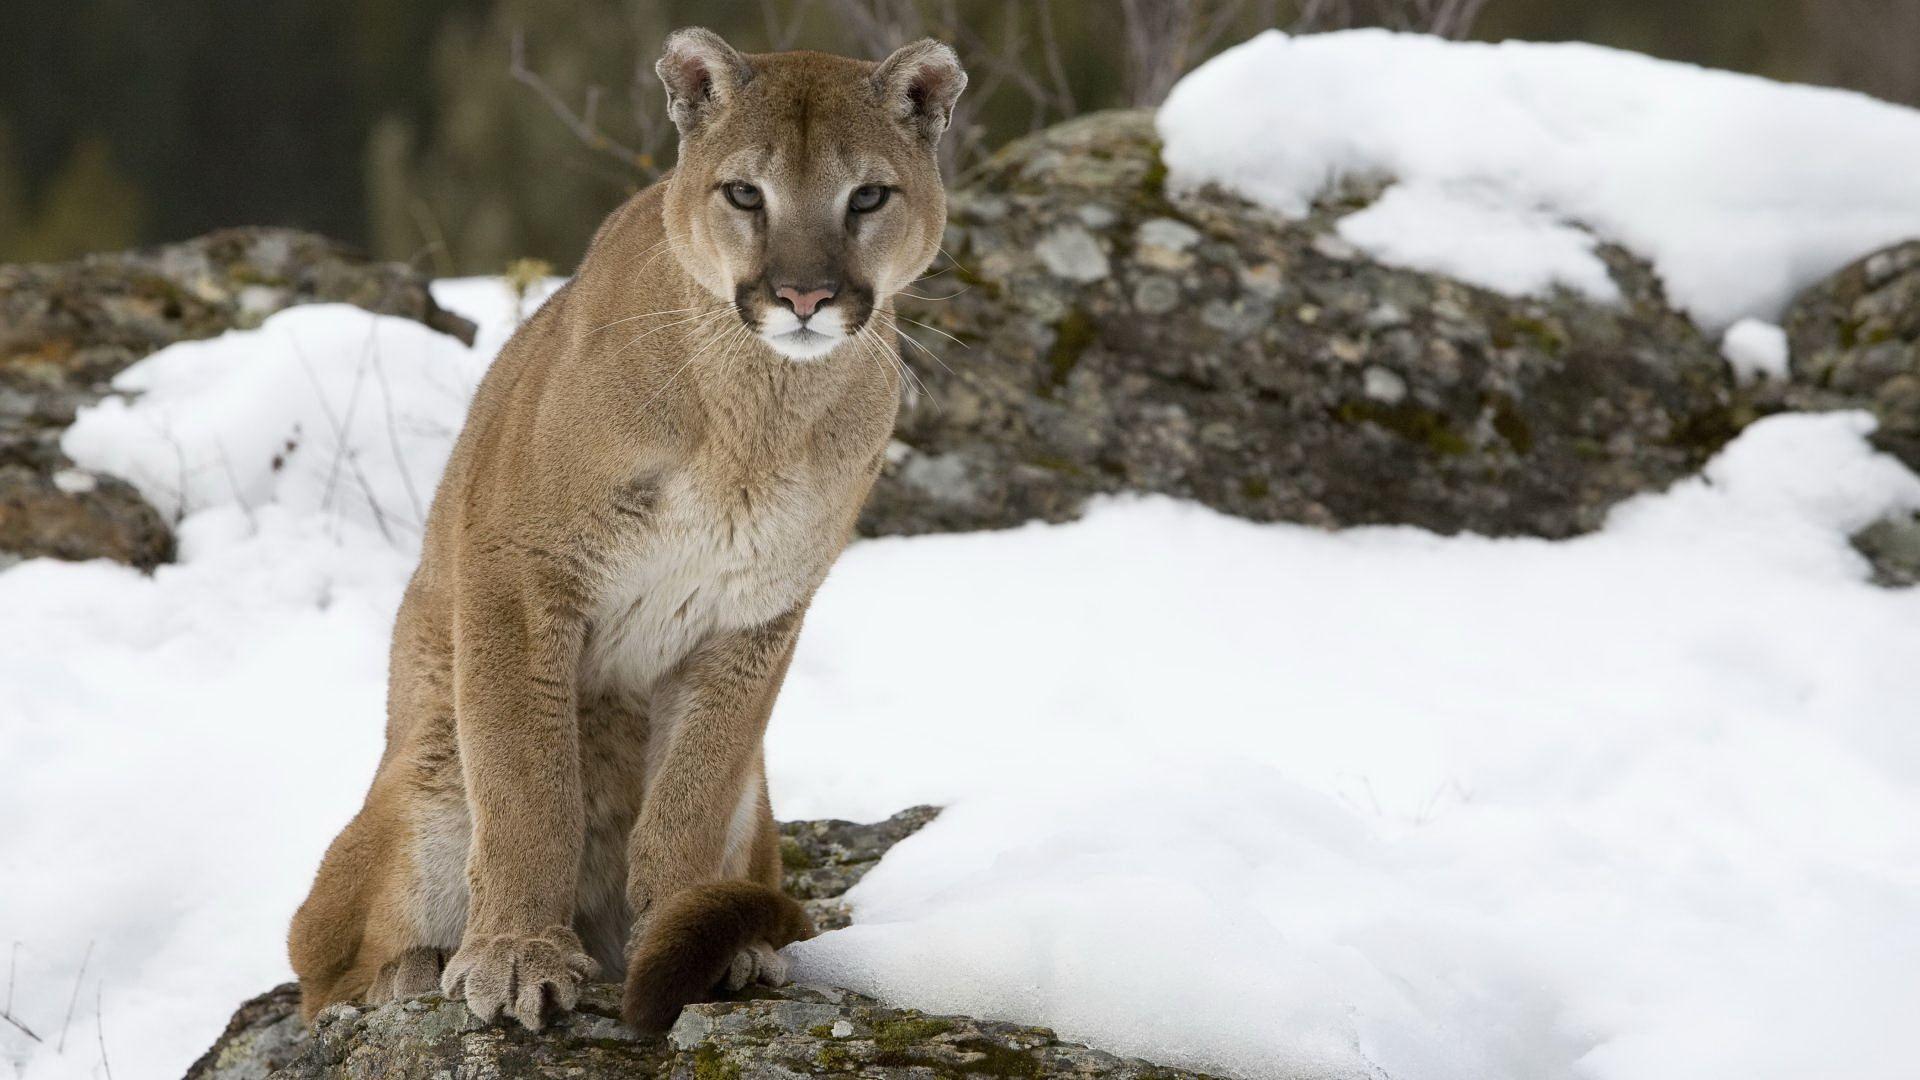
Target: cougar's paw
(519, 974)
(409, 975)
(757, 963)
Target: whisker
(700, 319)
(935, 299)
(915, 342)
(696, 354)
(935, 329)
(666, 240)
(906, 369)
(956, 262)
(647, 315)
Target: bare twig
(585, 124)
(393, 438)
(100, 1029)
(24, 1029)
(1056, 64)
(233, 484)
(61, 1046)
(1444, 18)
(6, 1013)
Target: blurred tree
(406, 127)
(88, 204)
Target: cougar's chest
(699, 559)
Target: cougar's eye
(743, 196)
(868, 198)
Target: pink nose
(804, 302)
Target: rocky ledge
(791, 1031)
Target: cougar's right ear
(701, 72)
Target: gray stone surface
(824, 859)
(68, 328)
(1855, 341)
(790, 1032)
(1115, 336)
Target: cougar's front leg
(517, 640)
(713, 718)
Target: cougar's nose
(805, 300)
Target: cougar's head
(807, 191)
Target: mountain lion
(654, 478)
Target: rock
(1855, 342)
(1892, 546)
(264, 1035)
(1115, 336)
(68, 328)
(792, 1031)
(824, 859)
(46, 510)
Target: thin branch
(584, 125)
(6, 1013)
(24, 1029)
(1056, 64)
(100, 1029)
(61, 1046)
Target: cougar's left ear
(919, 83)
(701, 72)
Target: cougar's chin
(787, 335)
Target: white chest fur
(703, 562)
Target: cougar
(654, 477)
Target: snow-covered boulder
(68, 328)
(1100, 331)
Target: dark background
(398, 125)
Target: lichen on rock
(1214, 351)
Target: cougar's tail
(691, 941)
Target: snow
(1258, 799)
(1740, 190)
(1474, 237)
(1757, 350)
(1254, 798)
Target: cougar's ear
(701, 72)
(919, 83)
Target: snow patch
(1756, 350)
(1740, 190)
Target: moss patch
(711, 1064)
(899, 1034)
(1409, 421)
(1511, 426)
(1071, 337)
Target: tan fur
(649, 489)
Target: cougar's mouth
(802, 339)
